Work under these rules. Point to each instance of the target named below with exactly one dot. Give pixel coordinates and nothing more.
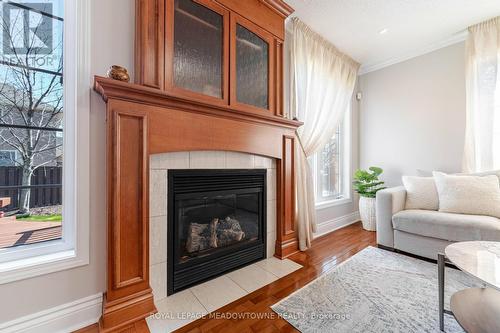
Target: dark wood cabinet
(226, 53)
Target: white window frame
(73, 249)
(346, 159)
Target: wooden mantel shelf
(136, 93)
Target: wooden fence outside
(46, 186)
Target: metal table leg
(441, 265)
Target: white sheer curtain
(482, 139)
(322, 82)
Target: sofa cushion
(476, 195)
(447, 226)
(421, 193)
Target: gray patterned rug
(374, 291)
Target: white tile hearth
(176, 311)
(186, 306)
(218, 292)
(252, 277)
(279, 267)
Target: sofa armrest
(389, 202)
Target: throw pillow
(485, 173)
(475, 195)
(421, 193)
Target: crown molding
(454, 39)
(280, 7)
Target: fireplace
(216, 223)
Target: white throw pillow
(484, 173)
(474, 195)
(421, 193)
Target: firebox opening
(216, 223)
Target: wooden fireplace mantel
(143, 121)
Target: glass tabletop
(477, 258)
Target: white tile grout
(268, 270)
(239, 285)
(203, 305)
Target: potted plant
(367, 184)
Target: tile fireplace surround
(159, 166)
(181, 308)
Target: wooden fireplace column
(155, 116)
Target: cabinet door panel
(198, 50)
(252, 66)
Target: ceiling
(414, 27)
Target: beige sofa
(424, 232)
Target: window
(39, 152)
(331, 168)
(32, 103)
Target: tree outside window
(31, 110)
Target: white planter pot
(367, 213)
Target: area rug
(374, 291)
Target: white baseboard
(64, 318)
(337, 223)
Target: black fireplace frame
(196, 271)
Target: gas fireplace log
(229, 232)
(219, 233)
(227, 237)
(213, 232)
(198, 238)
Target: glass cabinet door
(252, 68)
(199, 49)
(252, 76)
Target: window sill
(34, 266)
(332, 203)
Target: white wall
(112, 43)
(412, 115)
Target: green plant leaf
(366, 183)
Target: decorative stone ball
(119, 73)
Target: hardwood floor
(253, 311)
(326, 253)
(138, 327)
